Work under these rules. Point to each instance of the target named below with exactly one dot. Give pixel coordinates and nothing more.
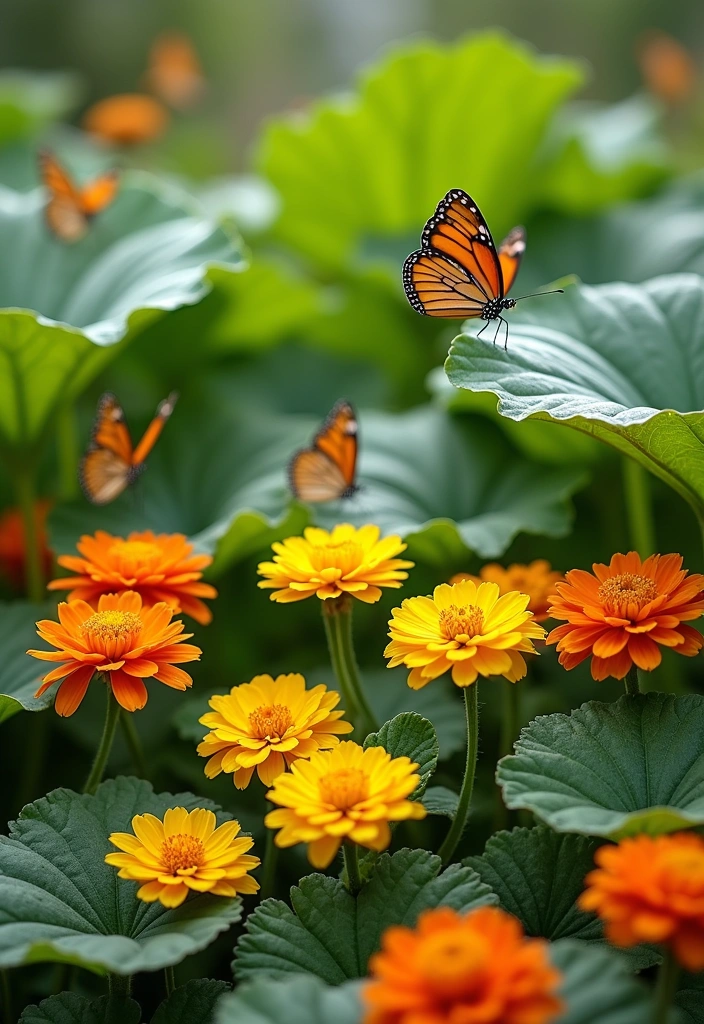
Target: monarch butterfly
(457, 272)
(326, 471)
(71, 207)
(110, 464)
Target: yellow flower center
(113, 625)
(344, 788)
(345, 555)
(684, 871)
(618, 592)
(270, 721)
(461, 622)
(135, 551)
(453, 963)
(181, 853)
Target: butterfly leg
(486, 324)
(498, 328)
(505, 323)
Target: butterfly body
(326, 470)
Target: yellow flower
(467, 629)
(184, 852)
(344, 793)
(268, 724)
(346, 561)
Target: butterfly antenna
(532, 295)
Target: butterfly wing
(437, 286)
(510, 254)
(63, 212)
(326, 471)
(156, 426)
(107, 465)
(99, 193)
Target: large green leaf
(359, 166)
(71, 1008)
(31, 99)
(330, 934)
(538, 876)
(598, 986)
(192, 1003)
(59, 901)
(66, 306)
(20, 675)
(620, 362)
(409, 735)
(612, 769)
(690, 999)
(444, 483)
(290, 1001)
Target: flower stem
(631, 682)
(639, 507)
(510, 721)
(170, 979)
(26, 499)
(471, 707)
(337, 616)
(112, 715)
(120, 985)
(129, 731)
(269, 866)
(665, 988)
(68, 452)
(350, 852)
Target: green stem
(665, 989)
(337, 616)
(271, 854)
(6, 995)
(639, 507)
(471, 707)
(68, 452)
(170, 978)
(510, 722)
(631, 682)
(350, 852)
(112, 715)
(120, 985)
(26, 499)
(134, 744)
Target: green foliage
(145, 254)
(690, 999)
(301, 1000)
(440, 800)
(60, 902)
(618, 362)
(612, 769)
(598, 986)
(192, 1003)
(30, 100)
(70, 1008)
(20, 675)
(332, 935)
(409, 735)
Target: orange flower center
(113, 625)
(270, 721)
(344, 788)
(684, 871)
(618, 592)
(135, 551)
(461, 622)
(453, 963)
(344, 555)
(181, 853)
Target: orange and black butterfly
(326, 471)
(458, 273)
(111, 464)
(71, 207)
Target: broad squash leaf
(598, 986)
(300, 1000)
(72, 1008)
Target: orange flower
(160, 567)
(476, 968)
(667, 67)
(127, 120)
(537, 580)
(652, 890)
(623, 612)
(174, 72)
(12, 547)
(123, 641)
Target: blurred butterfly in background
(111, 464)
(326, 471)
(458, 273)
(71, 207)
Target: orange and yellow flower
(268, 724)
(184, 853)
(625, 612)
(123, 641)
(160, 567)
(475, 968)
(327, 565)
(537, 580)
(465, 629)
(652, 890)
(13, 550)
(343, 793)
(128, 119)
